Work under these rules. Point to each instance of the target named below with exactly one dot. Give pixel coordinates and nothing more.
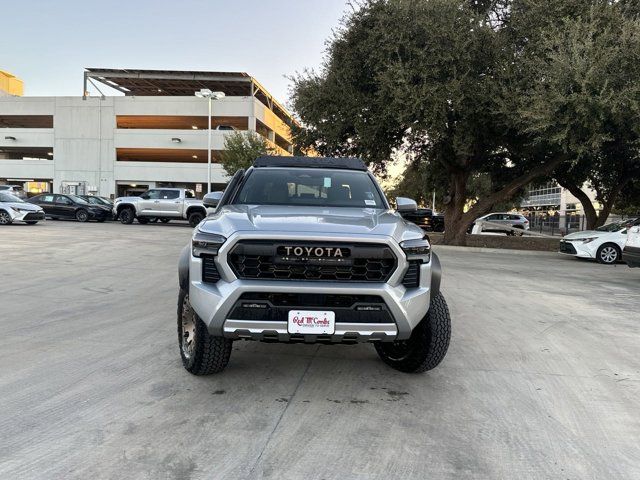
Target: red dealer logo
(308, 320)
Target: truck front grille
(259, 260)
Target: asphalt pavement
(541, 381)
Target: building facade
(154, 135)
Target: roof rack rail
(310, 162)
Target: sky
(47, 43)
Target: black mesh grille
(366, 263)
(412, 277)
(567, 247)
(209, 270)
(276, 306)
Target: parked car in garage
(57, 205)
(603, 244)
(15, 190)
(631, 250)
(14, 209)
(498, 220)
(426, 219)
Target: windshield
(77, 199)
(310, 187)
(7, 197)
(614, 227)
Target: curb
(491, 250)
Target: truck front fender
(183, 268)
(436, 275)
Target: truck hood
(318, 220)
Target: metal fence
(560, 225)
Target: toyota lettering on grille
(313, 255)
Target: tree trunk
(455, 231)
(608, 202)
(590, 213)
(457, 222)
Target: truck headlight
(206, 243)
(418, 249)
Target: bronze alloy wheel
(188, 329)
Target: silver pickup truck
(164, 204)
(308, 250)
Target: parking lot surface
(542, 379)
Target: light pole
(209, 95)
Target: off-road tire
(82, 216)
(126, 216)
(427, 345)
(608, 254)
(5, 218)
(143, 220)
(211, 354)
(195, 218)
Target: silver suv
(307, 250)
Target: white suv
(631, 251)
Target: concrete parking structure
(542, 379)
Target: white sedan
(604, 244)
(14, 209)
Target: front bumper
(214, 302)
(26, 216)
(631, 255)
(578, 249)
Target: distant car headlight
(418, 249)
(206, 243)
(583, 240)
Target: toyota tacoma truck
(308, 250)
(162, 204)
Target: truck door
(149, 202)
(170, 204)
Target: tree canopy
(241, 149)
(504, 91)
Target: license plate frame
(311, 322)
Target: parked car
(14, 209)
(307, 250)
(99, 201)
(604, 244)
(631, 250)
(225, 128)
(15, 190)
(425, 219)
(57, 205)
(514, 220)
(160, 203)
(95, 200)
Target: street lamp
(208, 94)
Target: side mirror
(212, 199)
(406, 205)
